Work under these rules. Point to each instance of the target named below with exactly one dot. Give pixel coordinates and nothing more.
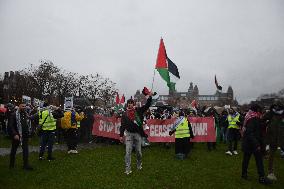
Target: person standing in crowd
(233, 131)
(3, 122)
(70, 123)
(183, 133)
(79, 110)
(253, 143)
(223, 126)
(19, 131)
(275, 133)
(211, 112)
(132, 126)
(47, 122)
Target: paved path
(62, 147)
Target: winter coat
(252, 136)
(130, 126)
(68, 123)
(12, 125)
(275, 128)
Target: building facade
(10, 87)
(184, 99)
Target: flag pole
(153, 80)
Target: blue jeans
(47, 139)
(130, 140)
(223, 133)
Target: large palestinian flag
(166, 68)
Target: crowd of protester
(264, 136)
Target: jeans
(223, 134)
(132, 139)
(47, 139)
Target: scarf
(133, 116)
(251, 114)
(19, 124)
(131, 113)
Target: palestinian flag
(119, 102)
(122, 100)
(117, 98)
(166, 68)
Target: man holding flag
(132, 128)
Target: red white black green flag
(166, 68)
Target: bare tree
(94, 87)
(44, 78)
(107, 91)
(49, 81)
(66, 85)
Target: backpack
(66, 120)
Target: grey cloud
(240, 41)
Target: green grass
(103, 167)
(5, 141)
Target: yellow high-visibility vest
(49, 123)
(233, 121)
(182, 131)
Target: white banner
(26, 99)
(36, 102)
(68, 103)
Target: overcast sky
(241, 41)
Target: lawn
(103, 167)
(5, 141)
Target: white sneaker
(229, 153)
(139, 167)
(235, 152)
(74, 152)
(128, 172)
(271, 176)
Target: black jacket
(130, 126)
(252, 137)
(12, 125)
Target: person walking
(275, 133)
(19, 132)
(253, 143)
(132, 128)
